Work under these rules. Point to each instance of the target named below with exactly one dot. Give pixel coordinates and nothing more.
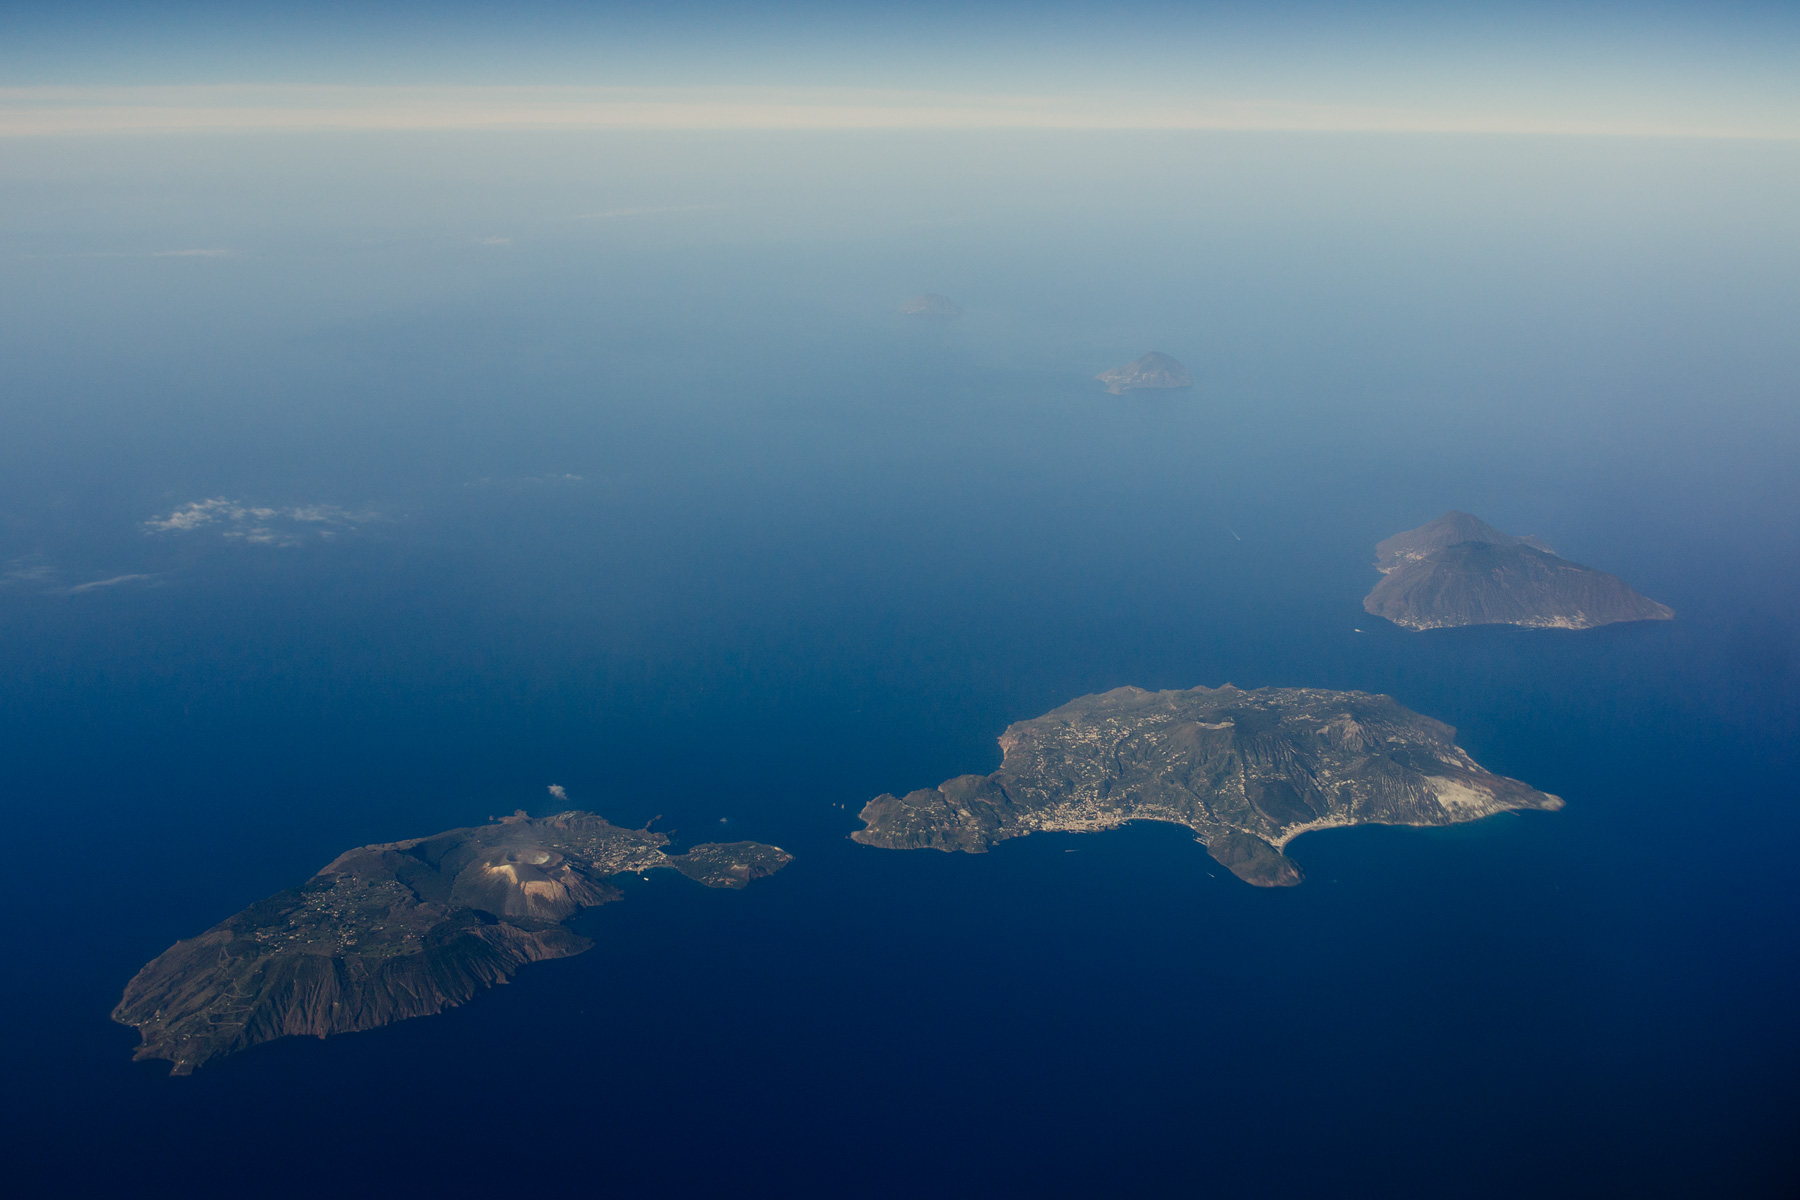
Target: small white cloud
(311, 513)
(613, 213)
(522, 481)
(187, 253)
(558, 791)
(22, 572)
(115, 581)
(191, 516)
(34, 575)
(259, 525)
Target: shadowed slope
(1459, 570)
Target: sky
(1716, 70)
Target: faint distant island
(403, 929)
(1248, 772)
(931, 305)
(1459, 570)
(1153, 370)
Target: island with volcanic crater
(402, 929)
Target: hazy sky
(1721, 69)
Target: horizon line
(73, 110)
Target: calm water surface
(683, 518)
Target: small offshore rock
(931, 305)
(1153, 370)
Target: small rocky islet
(402, 929)
(1152, 371)
(931, 305)
(1246, 771)
(1459, 570)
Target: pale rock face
(1153, 370)
(1246, 771)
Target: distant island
(402, 929)
(1459, 570)
(931, 305)
(1153, 370)
(1247, 771)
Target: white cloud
(214, 253)
(259, 525)
(611, 213)
(21, 572)
(115, 581)
(190, 516)
(557, 790)
(38, 576)
(521, 481)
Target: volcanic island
(1459, 570)
(1247, 771)
(402, 929)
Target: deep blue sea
(609, 464)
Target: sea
(356, 487)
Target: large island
(402, 929)
(1247, 771)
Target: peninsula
(1247, 771)
(401, 929)
(1153, 370)
(1459, 570)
